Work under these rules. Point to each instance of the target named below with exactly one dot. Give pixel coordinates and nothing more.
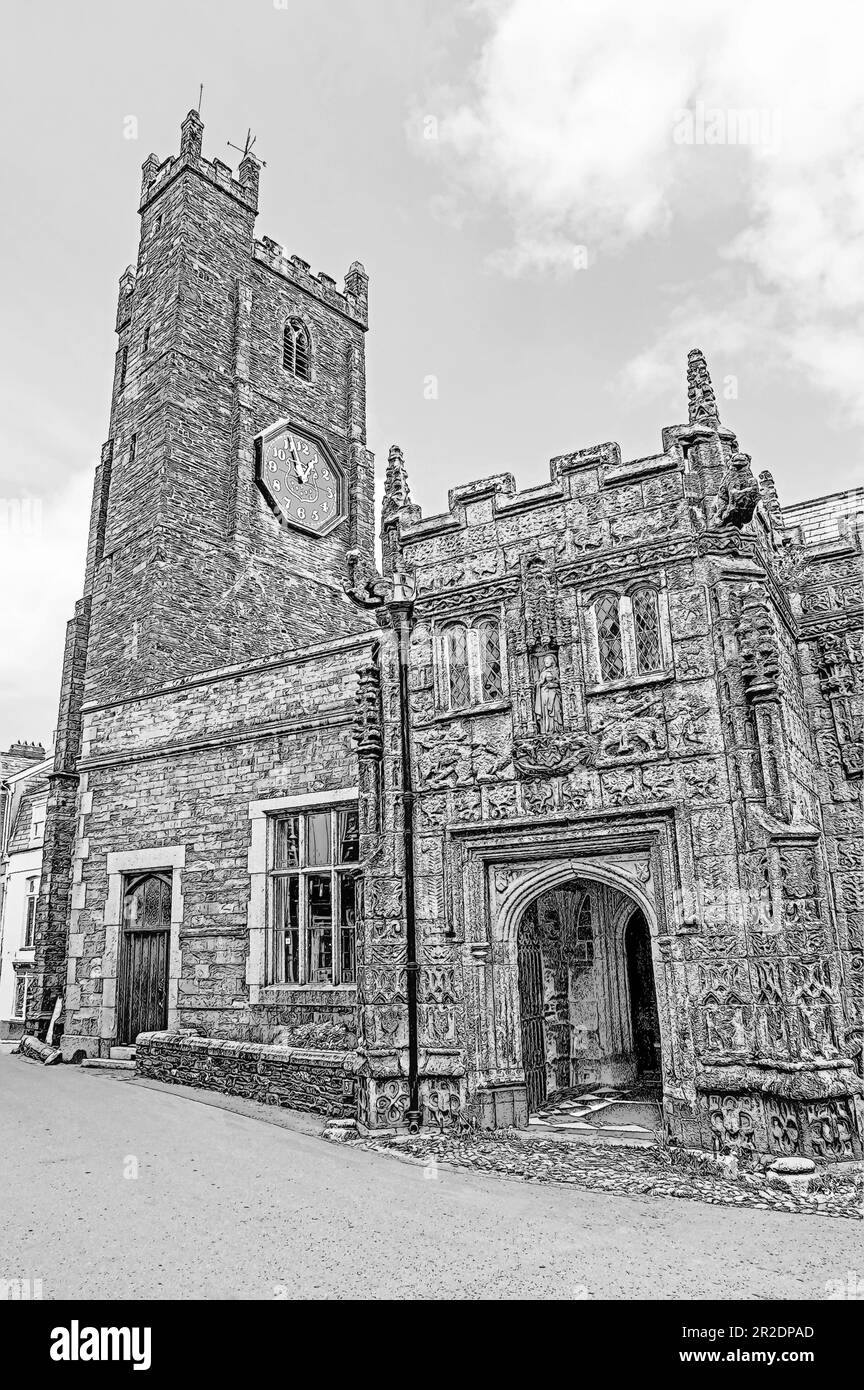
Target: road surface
(113, 1188)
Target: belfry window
(470, 664)
(313, 896)
(297, 350)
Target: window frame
(607, 596)
(338, 871)
(655, 596)
(31, 898)
(632, 670)
(38, 817)
(480, 696)
(22, 977)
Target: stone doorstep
(122, 1054)
(107, 1064)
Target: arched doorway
(142, 999)
(589, 1019)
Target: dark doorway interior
(643, 999)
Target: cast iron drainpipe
(402, 607)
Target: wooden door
(142, 1003)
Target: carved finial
(397, 493)
(701, 400)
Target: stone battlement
(351, 301)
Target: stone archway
(588, 1015)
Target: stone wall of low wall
(301, 1078)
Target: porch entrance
(589, 1019)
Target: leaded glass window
(646, 630)
(458, 677)
(609, 637)
(489, 643)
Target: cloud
(600, 123)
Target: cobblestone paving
(603, 1168)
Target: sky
(555, 200)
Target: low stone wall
(302, 1078)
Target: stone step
(108, 1064)
(608, 1136)
(122, 1054)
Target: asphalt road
(229, 1205)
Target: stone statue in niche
(738, 493)
(548, 711)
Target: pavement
(114, 1187)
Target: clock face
(300, 479)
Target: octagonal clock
(300, 479)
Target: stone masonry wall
(179, 769)
(302, 1079)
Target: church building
(563, 794)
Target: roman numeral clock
(301, 481)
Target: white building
(21, 836)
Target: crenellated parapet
(352, 301)
(157, 176)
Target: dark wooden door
(643, 1000)
(531, 1008)
(142, 1004)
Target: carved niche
(837, 681)
(757, 643)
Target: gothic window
(124, 364)
(629, 635)
(471, 664)
(489, 643)
(30, 901)
(609, 637)
(646, 629)
(297, 350)
(313, 897)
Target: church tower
(233, 497)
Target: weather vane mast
(247, 147)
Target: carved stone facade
(636, 687)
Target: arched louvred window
(646, 630)
(457, 673)
(609, 637)
(489, 644)
(297, 350)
